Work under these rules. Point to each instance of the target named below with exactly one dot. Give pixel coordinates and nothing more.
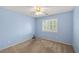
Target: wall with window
(64, 26)
(14, 28)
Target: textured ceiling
(48, 10)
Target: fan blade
(45, 13)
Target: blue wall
(65, 26)
(76, 29)
(14, 28)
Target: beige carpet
(39, 46)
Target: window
(49, 25)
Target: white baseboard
(37, 38)
(16, 43)
(54, 40)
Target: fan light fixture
(38, 10)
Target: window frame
(46, 23)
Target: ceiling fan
(39, 10)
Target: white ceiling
(50, 10)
